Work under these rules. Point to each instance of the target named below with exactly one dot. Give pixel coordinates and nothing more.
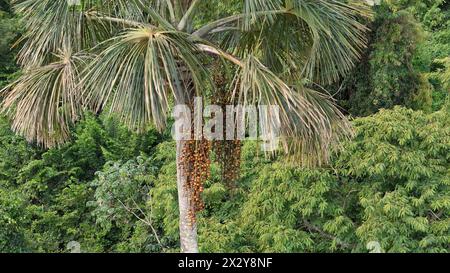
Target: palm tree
(137, 58)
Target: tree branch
(318, 230)
(145, 221)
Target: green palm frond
(312, 147)
(51, 24)
(253, 9)
(310, 123)
(138, 73)
(166, 9)
(45, 101)
(338, 37)
(281, 55)
(315, 39)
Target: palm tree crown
(136, 57)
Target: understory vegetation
(113, 191)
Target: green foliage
(45, 194)
(402, 65)
(215, 9)
(434, 16)
(387, 77)
(400, 160)
(386, 190)
(120, 199)
(12, 221)
(10, 30)
(388, 186)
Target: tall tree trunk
(188, 231)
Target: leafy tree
(404, 176)
(12, 221)
(10, 29)
(387, 76)
(46, 196)
(136, 57)
(434, 17)
(121, 196)
(388, 185)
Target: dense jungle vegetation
(114, 190)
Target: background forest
(113, 190)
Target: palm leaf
(338, 37)
(315, 39)
(45, 101)
(140, 72)
(310, 123)
(51, 24)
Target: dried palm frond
(46, 100)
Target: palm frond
(51, 24)
(315, 39)
(139, 72)
(45, 101)
(253, 8)
(310, 123)
(143, 63)
(338, 37)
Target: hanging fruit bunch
(228, 155)
(196, 165)
(227, 152)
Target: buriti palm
(137, 58)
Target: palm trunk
(188, 231)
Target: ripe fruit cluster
(196, 164)
(228, 155)
(195, 158)
(227, 152)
